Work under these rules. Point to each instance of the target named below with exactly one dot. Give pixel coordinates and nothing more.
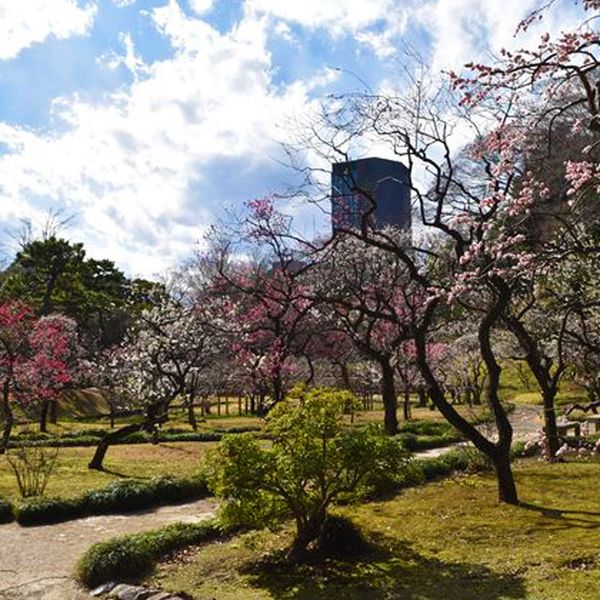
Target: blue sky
(147, 118)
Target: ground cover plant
(134, 555)
(450, 539)
(118, 497)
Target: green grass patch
(72, 478)
(131, 556)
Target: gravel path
(527, 421)
(36, 563)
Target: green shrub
(123, 495)
(427, 428)
(313, 462)
(6, 511)
(44, 510)
(130, 556)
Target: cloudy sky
(147, 118)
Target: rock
(136, 592)
(126, 592)
(104, 588)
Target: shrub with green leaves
(32, 467)
(134, 555)
(312, 462)
(6, 511)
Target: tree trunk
(406, 405)
(306, 531)
(388, 395)
(422, 393)
(109, 439)
(345, 376)
(54, 412)
(277, 388)
(44, 416)
(192, 415)
(9, 420)
(550, 428)
(507, 490)
(498, 453)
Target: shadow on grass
(569, 518)
(122, 475)
(397, 572)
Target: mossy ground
(450, 540)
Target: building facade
(373, 189)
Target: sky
(147, 120)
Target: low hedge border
(423, 470)
(131, 556)
(6, 511)
(120, 496)
(82, 439)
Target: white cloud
(468, 30)
(139, 168)
(201, 6)
(26, 22)
(337, 15)
(376, 23)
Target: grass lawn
(72, 477)
(444, 541)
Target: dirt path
(36, 563)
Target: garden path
(36, 563)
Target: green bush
(313, 462)
(427, 428)
(119, 496)
(6, 511)
(415, 443)
(43, 510)
(130, 556)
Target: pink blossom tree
(37, 360)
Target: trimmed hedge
(6, 511)
(93, 436)
(130, 556)
(120, 496)
(421, 470)
(416, 443)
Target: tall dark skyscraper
(358, 184)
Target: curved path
(36, 563)
(526, 420)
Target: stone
(104, 588)
(125, 592)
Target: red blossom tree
(37, 359)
